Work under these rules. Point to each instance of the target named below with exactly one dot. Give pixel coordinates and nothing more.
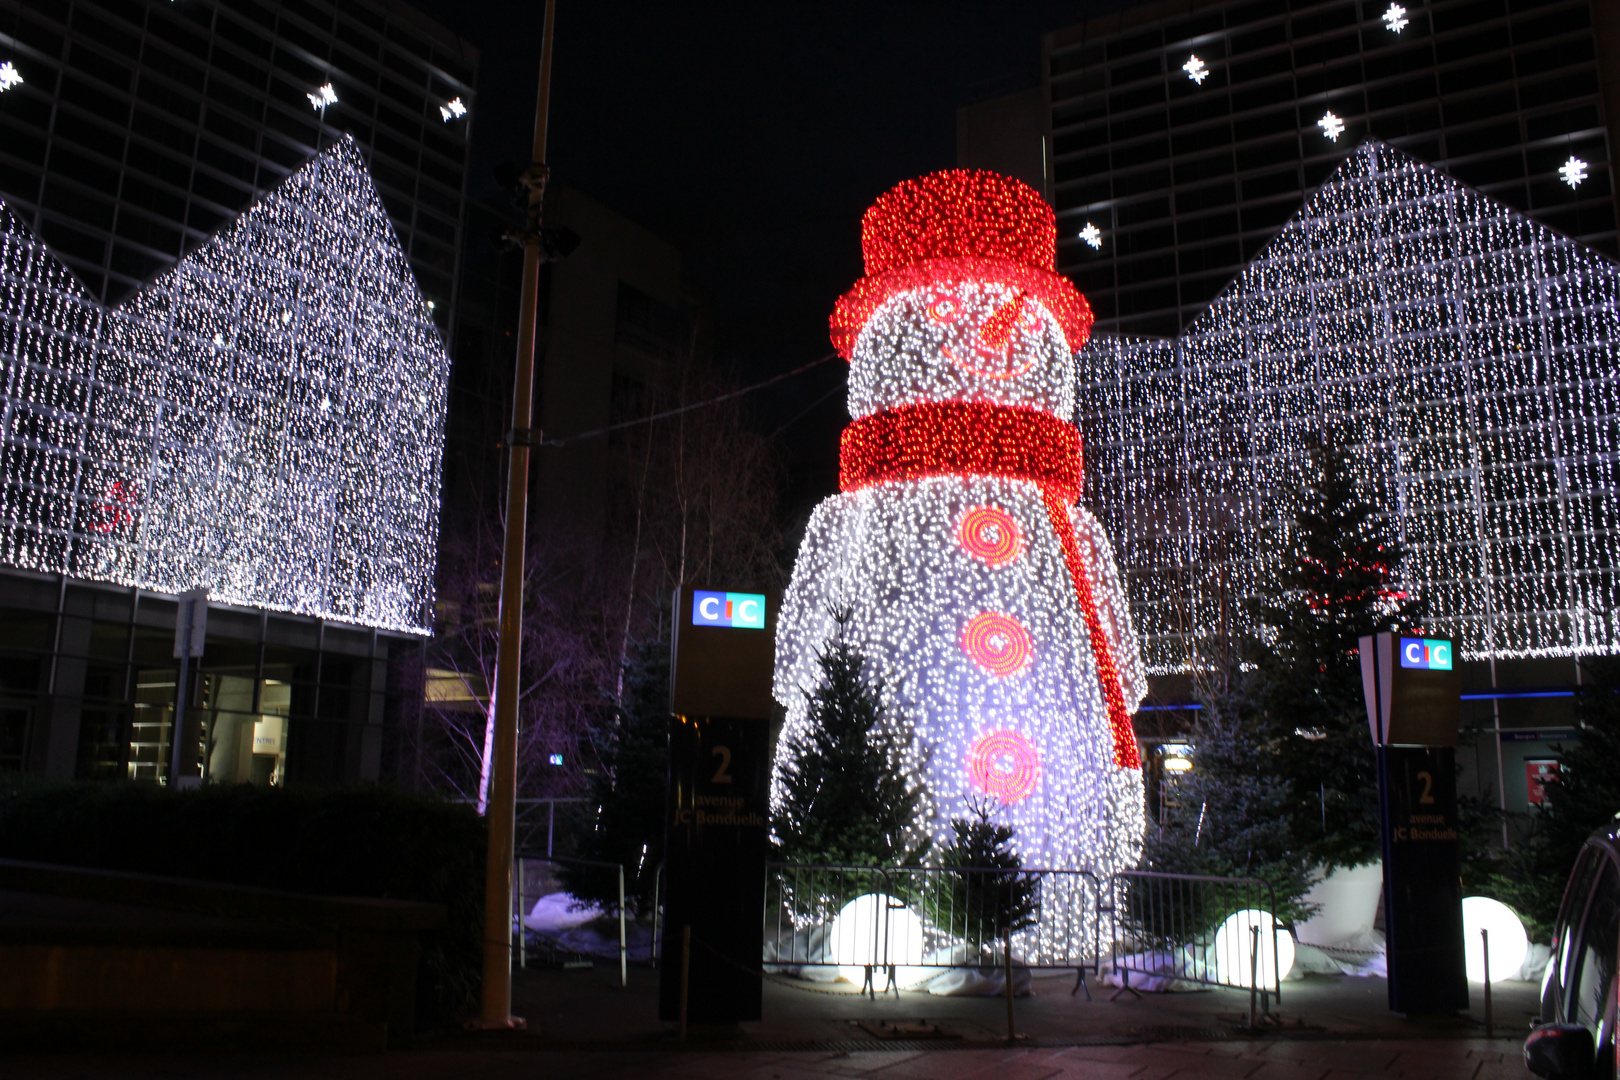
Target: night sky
(752, 136)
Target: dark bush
(354, 841)
(1580, 798)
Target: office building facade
(615, 320)
(1465, 358)
(142, 127)
(1184, 134)
(1465, 355)
(256, 410)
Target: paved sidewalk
(589, 1007)
(1427, 1059)
(583, 1026)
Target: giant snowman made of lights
(985, 600)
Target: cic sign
(1426, 654)
(742, 610)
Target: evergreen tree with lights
(1584, 796)
(845, 798)
(1337, 583)
(987, 895)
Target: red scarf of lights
(959, 438)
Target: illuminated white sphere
(1508, 940)
(878, 930)
(1234, 949)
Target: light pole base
(509, 1023)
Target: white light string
(265, 419)
(1471, 358)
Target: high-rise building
(614, 317)
(1464, 357)
(222, 294)
(1005, 134)
(142, 127)
(1185, 133)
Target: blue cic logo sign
(739, 610)
(1429, 654)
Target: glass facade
(88, 682)
(1186, 180)
(219, 368)
(142, 127)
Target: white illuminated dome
(1234, 949)
(1509, 942)
(864, 933)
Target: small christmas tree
(1230, 815)
(1584, 796)
(1336, 584)
(987, 896)
(629, 788)
(845, 798)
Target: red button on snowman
(985, 599)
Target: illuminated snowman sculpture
(986, 601)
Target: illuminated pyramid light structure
(264, 420)
(1470, 357)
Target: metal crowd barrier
(1179, 927)
(1193, 928)
(930, 917)
(521, 896)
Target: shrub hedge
(353, 841)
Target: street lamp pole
(496, 1009)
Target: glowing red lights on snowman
(986, 601)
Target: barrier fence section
(885, 924)
(537, 818)
(524, 892)
(1193, 928)
(882, 921)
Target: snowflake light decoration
(264, 420)
(1331, 126)
(1466, 356)
(1573, 171)
(985, 601)
(322, 97)
(452, 110)
(1195, 70)
(9, 76)
(1092, 235)
(1395, 18)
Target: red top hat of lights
(953, 226)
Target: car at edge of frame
(1574, 1038)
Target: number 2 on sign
(722, 775)
(1428, 788)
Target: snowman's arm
(1113, 607)
(805, 619)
